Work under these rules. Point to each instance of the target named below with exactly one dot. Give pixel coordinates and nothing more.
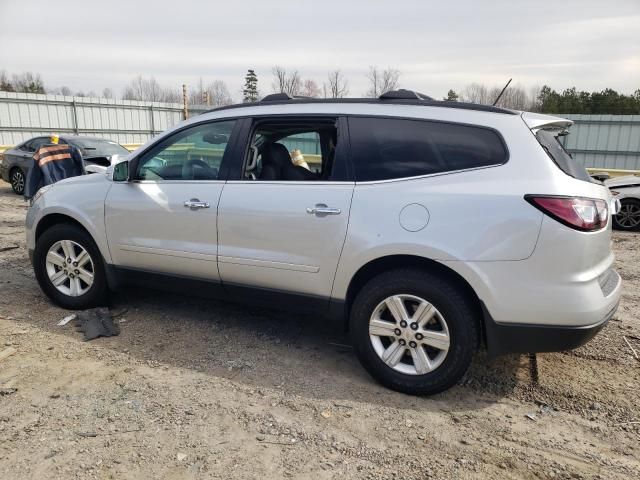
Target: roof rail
(403, 94)
(276, 97)
(282, 96)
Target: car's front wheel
(413, 331)
(69, 267)
(628, 218)
(17, 180)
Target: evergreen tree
(452, 96)
(250, 90)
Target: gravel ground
(203, 389)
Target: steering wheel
(188, 170)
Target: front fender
(83, 203)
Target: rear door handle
(195, 204)
(321, 209)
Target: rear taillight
(584, 214)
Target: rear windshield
(99, 148)
(549, 141)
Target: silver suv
(430, 228)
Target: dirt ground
(203, 389)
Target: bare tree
(149, 90)
(219, 95)
(310, 89)
(476, 93)
(28, 82)
(336, 86)
(382, 81)
(5, 83)
(197, 95)
(284, 82)
(515, 97)
(64, 90)
(107, 93)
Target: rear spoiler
(537, 121)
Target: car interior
(270, 156)
(195, 157)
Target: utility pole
(185, 101)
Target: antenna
(500, 95)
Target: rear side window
(549, 142)
(387, 148)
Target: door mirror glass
(121, 172)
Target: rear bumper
(525, 338)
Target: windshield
(99, 148)
(548, 139)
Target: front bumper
(526, 338)
(4, 172)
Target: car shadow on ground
(303, 355)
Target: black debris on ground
(96, 322)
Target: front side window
(194, 153)
(388, 148)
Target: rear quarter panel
(474, 216)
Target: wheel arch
(392, 262)
(52, 219)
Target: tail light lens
(584, 214)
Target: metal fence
(26, 115)
(605, 141)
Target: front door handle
(321, 209)
(195, 204)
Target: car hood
(626, 180)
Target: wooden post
(185, 110)
(153, 121)
(74, 110)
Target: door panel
(165, 219)
(148, 227)
(268, 239)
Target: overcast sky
(437, 45)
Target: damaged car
(627, 190)
(97, 154)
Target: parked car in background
(431, 228)
(627, 190)
(97, 154)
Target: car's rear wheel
(69, 267)
(17, 180)
(628, 218)
(413, 331)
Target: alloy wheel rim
(17, 181)
(409, 334)
(70, 268)
(629, 215)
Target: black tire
(17, 179)
(96, 295)
(634, 206)
(455, 308)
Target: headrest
(276, 154)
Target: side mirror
(121, 172)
